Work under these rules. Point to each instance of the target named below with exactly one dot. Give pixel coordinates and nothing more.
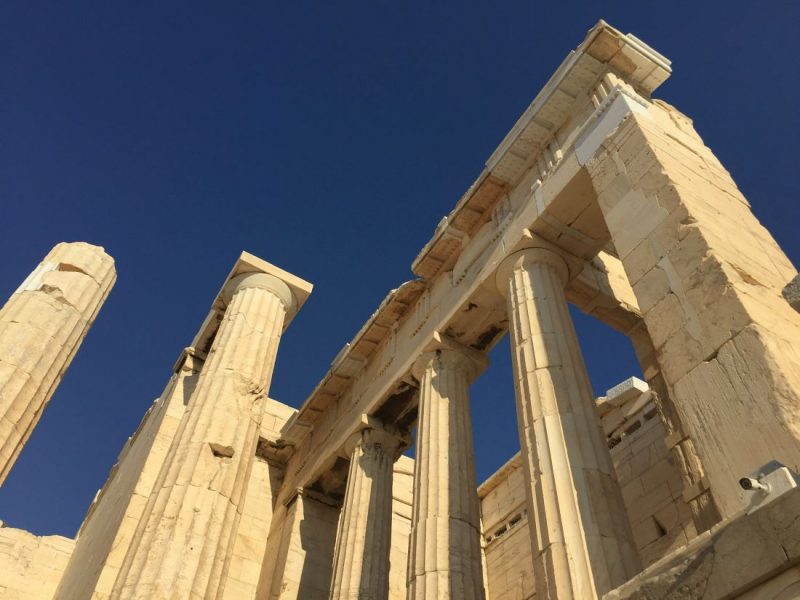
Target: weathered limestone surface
(683, 452)
(308, 526)
(506, 533)
(651, 484)
(445, 550)
(265, 478)
(753, 557)
(402, 499)
(31, 566)
(363, 539)
(41, 328)
(299, 565)
(582, 539)
(183, 540)
(726, 340)
(107, 532)
(225, 494)
(652, 490)
(512, 195)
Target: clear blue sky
(327, 138)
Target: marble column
(445, 548)
(581, 538)
(363, 540)
(41, 328)
(181, 546)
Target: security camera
(751, 484)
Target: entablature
(534, 139)
(547, 198)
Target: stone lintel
(355, 355)
(633, 60)
(502, 474)
(295, 429)
(605, 49)
(567, 179)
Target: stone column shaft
(104, 537)
(581, 537)
(41, 328)
(182, 544)
(363, 541)
(445, 549)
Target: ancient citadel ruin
(682, 486)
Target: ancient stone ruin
(680, 486)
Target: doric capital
(373, 436)
(446, 353)
(527, 258)
(262, 281)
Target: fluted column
(445, 549)
(363, 540)
(181, 546)
(582, 542)
(41, 328)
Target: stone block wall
(708, 279)
(298, 554)
(251, 538)
(302, 542)
(651, 483)
(506, 534)
(31, 566)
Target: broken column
(582, 542)
(41, 328)
(361, 559)
(445, 548)
(191, 518)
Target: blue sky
(329, 139)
